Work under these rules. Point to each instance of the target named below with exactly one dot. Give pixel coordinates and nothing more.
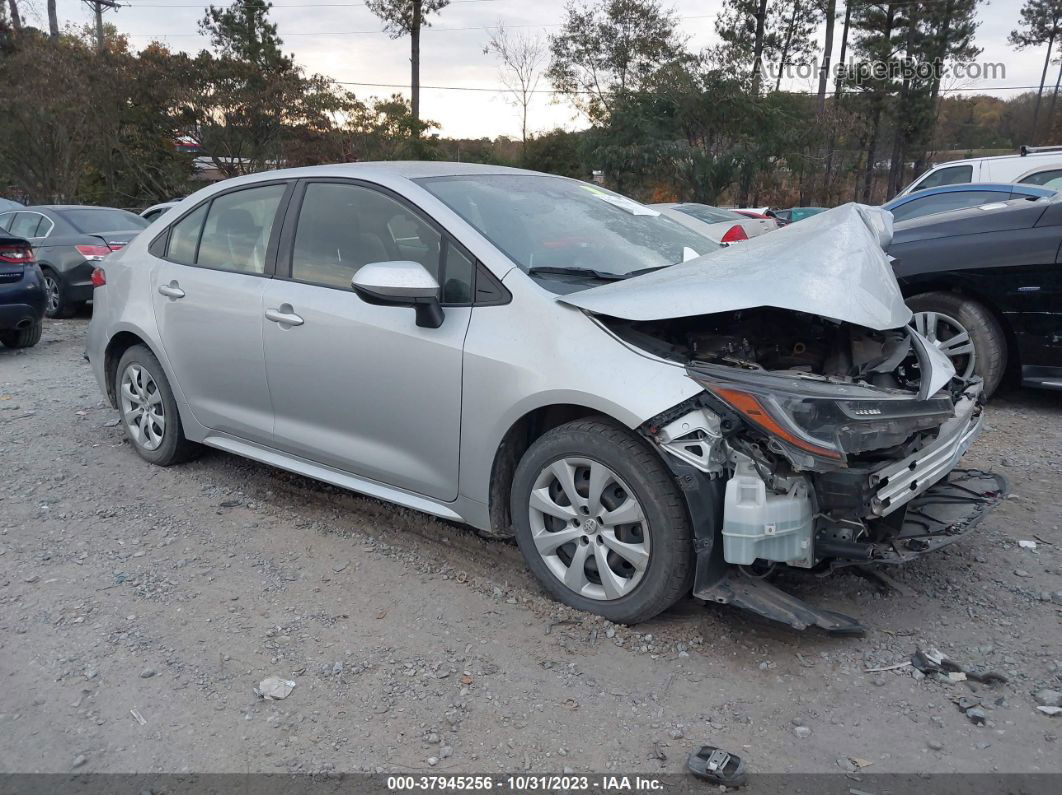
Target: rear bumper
(22, 302)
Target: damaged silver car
(647, 413)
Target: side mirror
(400, 283)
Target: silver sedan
(536, 357)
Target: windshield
(710, 215)
(542, 222)
(103, 219)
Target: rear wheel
(601, 523)
(965, 331)
(56, 306)
(24, 337)
(149, 411)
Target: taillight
(116, 246)
(734, 234)
(93, 253)
(99, 278)
(16, 255)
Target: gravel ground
(139, 606)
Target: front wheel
(601, 523)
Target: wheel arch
(121, 341)
(514, 443)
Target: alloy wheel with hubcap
(51, 294)
(143, 410)
(589, 528)
(950, 337)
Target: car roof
(410, 169)
(963, 187)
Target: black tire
(668, 575)
(989, 341)
(24, 337)
(174, 447)
(61, 307)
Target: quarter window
(343, 227)
(184, 237)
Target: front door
(207, 291)
(356, 386)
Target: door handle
(171, 290)
(285, 315)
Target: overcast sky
(343, 40)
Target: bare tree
(16, 20)
(53, 21)
(830, 11)
(406, 18)
(522, 57)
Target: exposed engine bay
(772, 339)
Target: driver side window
(344, 226)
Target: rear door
(207, 287)
(356, 386)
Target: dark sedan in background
(21, 293)
(985, 284)
(69, 241)
(955, 197)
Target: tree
(1041, 23)
(830, 12)
(53, 21)
(406, 18)
(747, 39)
(799, 20)
(243, 31)
(521, 68)
(609, 48)
(45, 144)
(16, 19)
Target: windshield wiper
(603, 275)
(550, 270)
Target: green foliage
(401, 17)
(609, 48)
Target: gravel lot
(415, 645)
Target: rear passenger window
(237, 229)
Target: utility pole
(98, 7)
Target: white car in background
(726, 226)
(156, 210)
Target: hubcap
(951, 337)
(142, 408)
(51, 292)
(589, 528)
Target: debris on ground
(933, 661)
(138, 717)
(717, 766)
(1052, 711)
(1026, 544)
(274, 688)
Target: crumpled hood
(832, 265)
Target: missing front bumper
(940, 515)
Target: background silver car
(410, 331)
